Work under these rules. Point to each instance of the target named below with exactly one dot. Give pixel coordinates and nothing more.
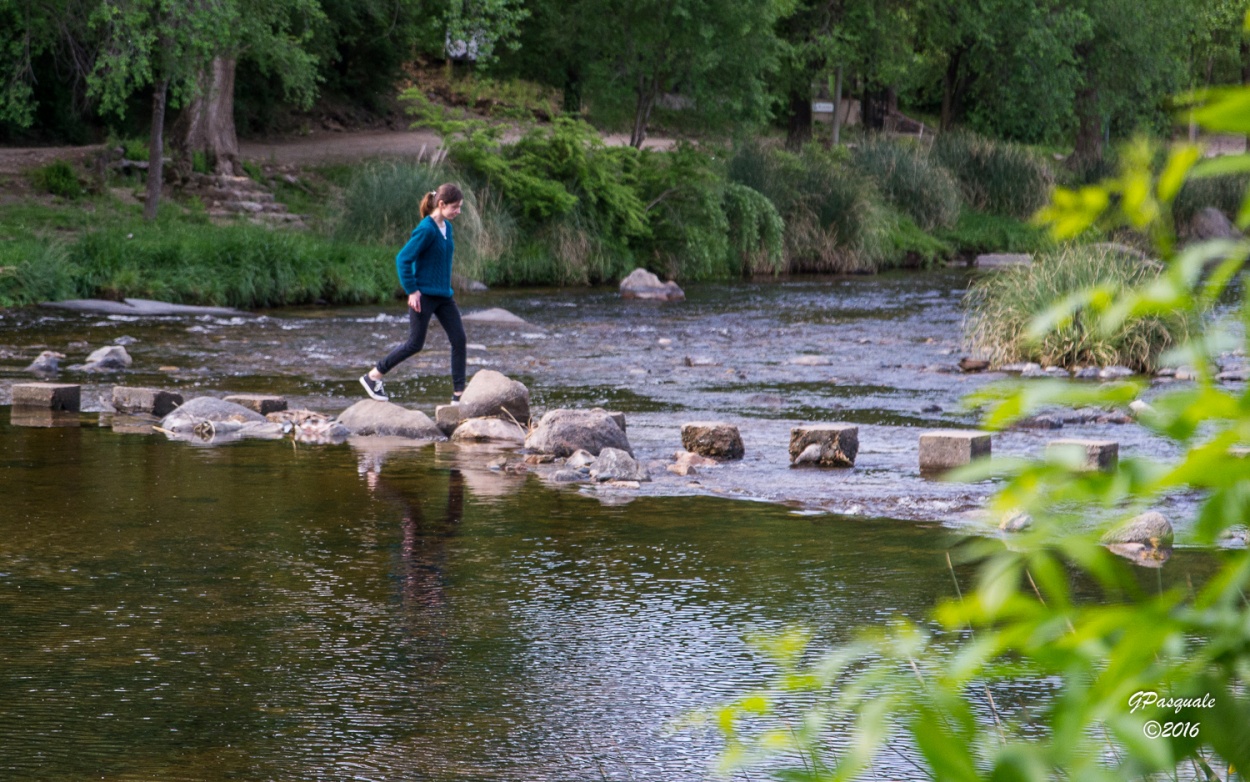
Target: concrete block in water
(149, 401)
(946, 449)
(1099, 454)
(714, 439)
(48, 396)
(825, 445)
(261, 403)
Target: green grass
(1001, 306)
(975, 233)
(57, 178)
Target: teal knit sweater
(424, 263)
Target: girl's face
(449, 211)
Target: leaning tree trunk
(207, 123)
(156, 151)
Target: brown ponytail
(446, 193)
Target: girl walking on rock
(424, 266)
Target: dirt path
(315, 149)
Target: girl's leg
(448, 315)
(418, 322)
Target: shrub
(1002, 305)
(835, 220)
(908, 177)
(58, 179)
(979, 232)
(756, 231)
(995, 176)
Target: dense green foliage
(57, 178)
(1055, 607)
(1003, 305)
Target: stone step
(65, 397)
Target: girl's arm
(406, 259)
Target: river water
(384, 611)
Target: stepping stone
(261, 403)
(713, 439)
(151, 401)
(48, 396)
(826, 445)
(946, 449)
(1099, 454)
(447, 418)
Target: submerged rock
(562, 432)
(642, 284)
(48, 362)
(369, 417)
(614, 464)
(1151, 528)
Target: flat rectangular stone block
(1099, 454)
(261, 403)
(148, 401)
(824, 445)
(447, 418)
(946, 449)
(48, 396)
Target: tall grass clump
(835, 219)
(35, 270)
(57, 178)
(382, 203)
(1000, 307)
(911, 180)
(237, 265)
(995, 176)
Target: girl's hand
(414, 301)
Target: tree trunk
(642, 112)
(207, 123)
(875, 107)
(572, 91)
(950, 83)
(156, 151)
(837, 107)
(799, 125)
(1089, 128)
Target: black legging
(444, 308)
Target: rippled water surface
(384, 611)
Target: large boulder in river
(563, 432)
(642, 284)
(213, 420)
(716, 439)
(106, 359)
(369, 417)
(492, 394)
(1151, 528)
(206, 408)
